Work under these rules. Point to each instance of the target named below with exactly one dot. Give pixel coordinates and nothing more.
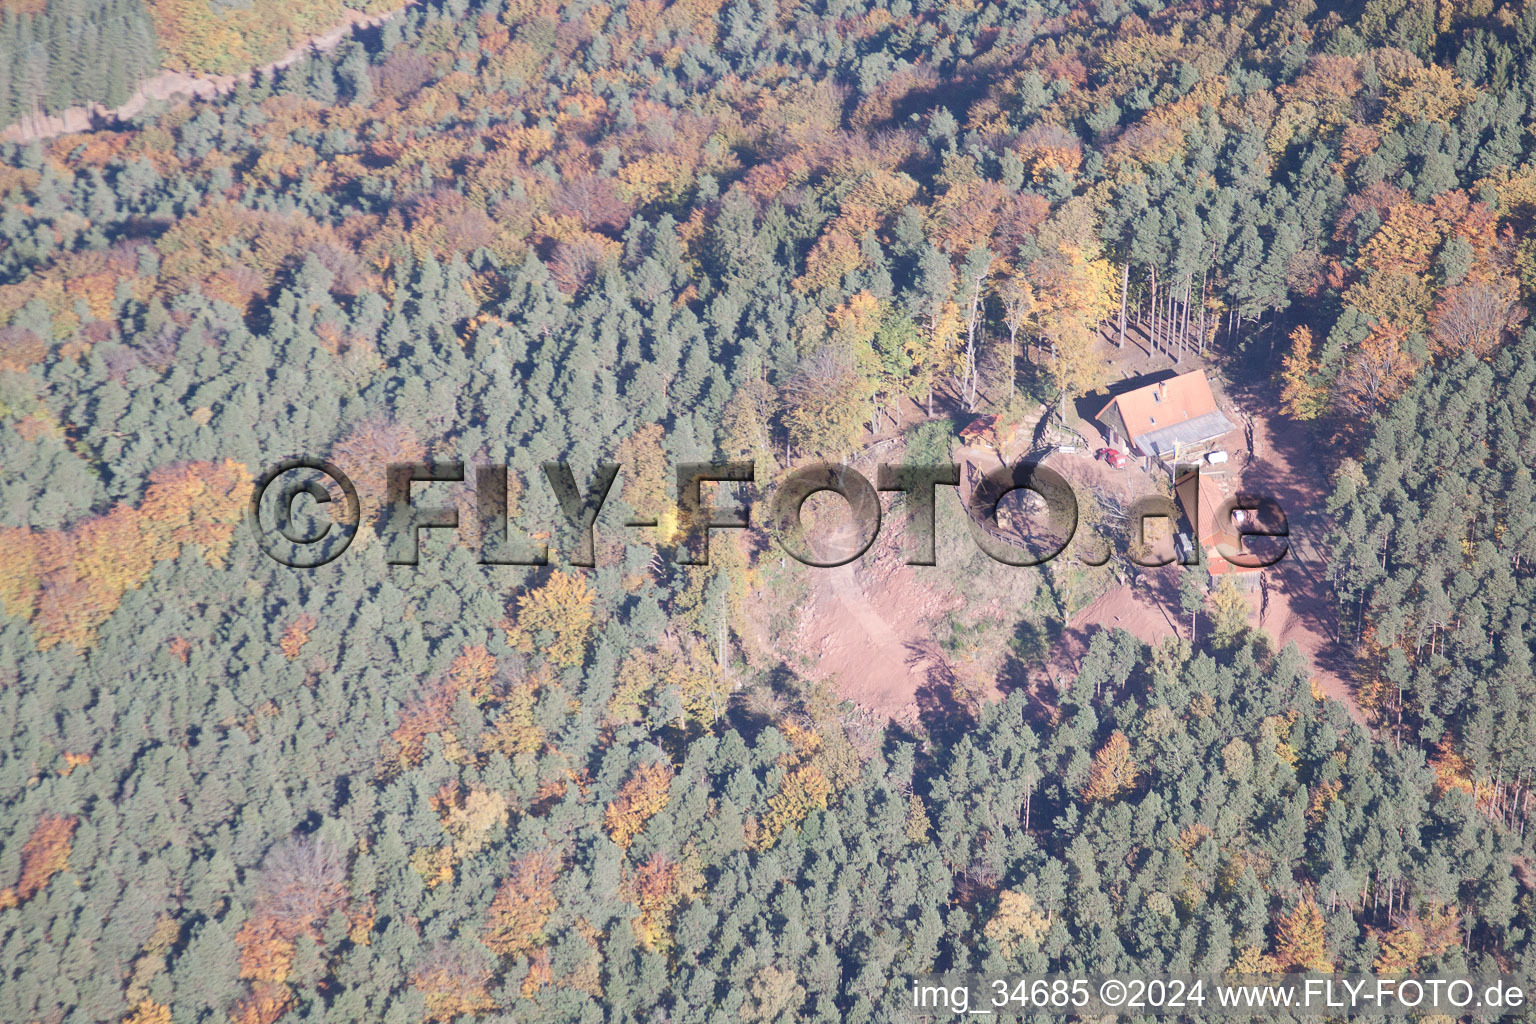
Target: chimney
(1162, 389)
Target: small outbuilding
(1211, 522)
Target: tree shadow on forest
(1022, 670)
(754, 709)
(925, 763)
(953, 93)
(1031, 646)
(944, 707)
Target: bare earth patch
(1139, 609)
(868, 624)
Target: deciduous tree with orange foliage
(452, 983)
(1114, 770)
(1300, 939)
(1377, 371)
(44, 855)
(657, 887)
(1475, 317)
(514, 925)
(70, 581)
(637, 802)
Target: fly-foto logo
(288, 530)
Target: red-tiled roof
(982, 427)
(1203, 506)
(1164, 404)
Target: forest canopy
(651, 233)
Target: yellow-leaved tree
(1230, 611)
(637, 802)
(149, 1012)
(1401, 950)
(805, 789)
(555, 618)
(645, 470)
(1017, 923)
(1113, 771)
(1017, 296)
(828, 403)
(1301, 394)
(1074, 292)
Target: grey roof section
(1201, 428)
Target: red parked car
(1119, 460)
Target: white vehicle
(1216, 458)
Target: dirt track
(1299, 606)
(170, 86)
(868, 623)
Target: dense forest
(56, 54)
(512, 231)
(63, 54)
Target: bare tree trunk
(1170, 318)
(1125, 284)
(1171, 324)
(1203, 281)
(1152, 332)
(1013, 359)
(1184, 324)
(720, 657)
(970, 345)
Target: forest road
(170, 86)
(1300, 606)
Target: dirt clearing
(867, 625)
